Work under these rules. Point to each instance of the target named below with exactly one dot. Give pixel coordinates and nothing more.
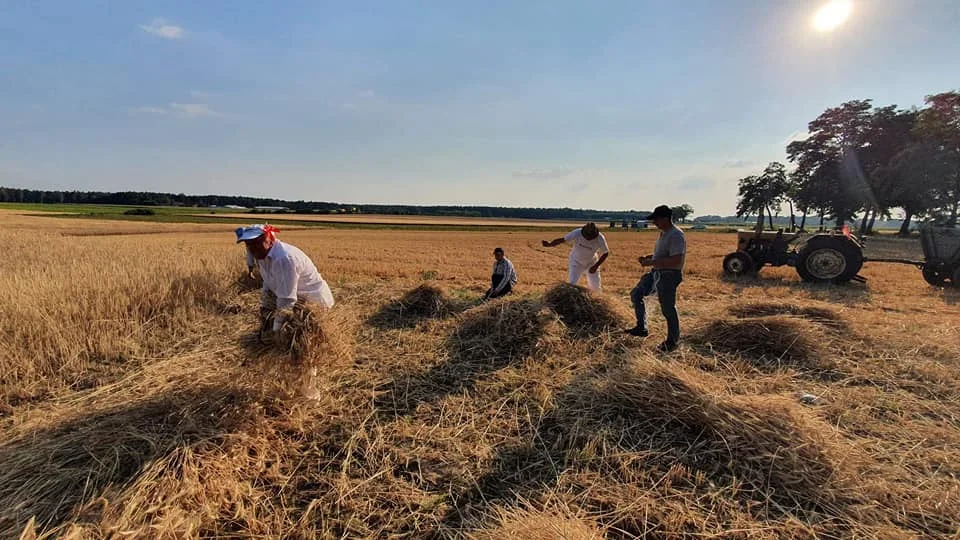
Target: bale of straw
(584, 312)
(770, 342)
(821, 315)
(760, 440)
(507, 329)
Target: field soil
(136, 400)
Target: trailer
(941, 256)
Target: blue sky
(612, 105)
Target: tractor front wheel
(829, 259)
(738, 263)
(936, 273)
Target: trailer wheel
(738, 263)
(936, 272)
(829, 259)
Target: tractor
(821, 257)
(836, 256)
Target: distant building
(271, 209)
(235, 207)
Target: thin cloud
(193, 110)
(160, 28)
(182, 110)
(738, 164)
(149, 110)
(545, 174)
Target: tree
(938, 128)
(762, 194)
(682, 212)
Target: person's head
(498, 254)
(258, 239)
(662, 217)
(590, 231)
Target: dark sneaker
(667, 346)
(638, 332)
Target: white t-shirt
(291, 275)
(585, 251)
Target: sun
(832, 15)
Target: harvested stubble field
(136, 402)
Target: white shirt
(289, 274)
(585, 251)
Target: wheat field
(136, 402)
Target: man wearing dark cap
(665, 276)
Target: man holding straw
(587, 242)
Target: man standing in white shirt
(288, 274)
(587, 242)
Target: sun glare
(832, 15)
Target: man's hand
(545, 243)
(646, 260)
(594, 268)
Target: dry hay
(427, 301)
(314, 336)
(532, 524)
(50, 471)
(770, 342)
(584, 312)
(762, 441)
(246, 282)
(506, 329)
(821, 315)
(200, 290)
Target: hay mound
(426, 301)
(506, 329)
(532, 524)
(585, 313)
(314, 336)
(759, 440)
(821, 315)
(770, 342)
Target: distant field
(135, 400)
(373, 219)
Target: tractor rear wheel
(829, 259)
(936, 272)
(738, 263)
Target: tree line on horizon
(862, 162)
(145, 198)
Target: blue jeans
(666, 292)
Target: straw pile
(585, 313)
(48, 472)
(506, 329)
(821, 315)
(761, 441)
(427, 301)
(246, 282)
(532, 524)
(770, 342)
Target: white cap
(249, 233)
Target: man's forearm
(667, 263)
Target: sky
(607, 105)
